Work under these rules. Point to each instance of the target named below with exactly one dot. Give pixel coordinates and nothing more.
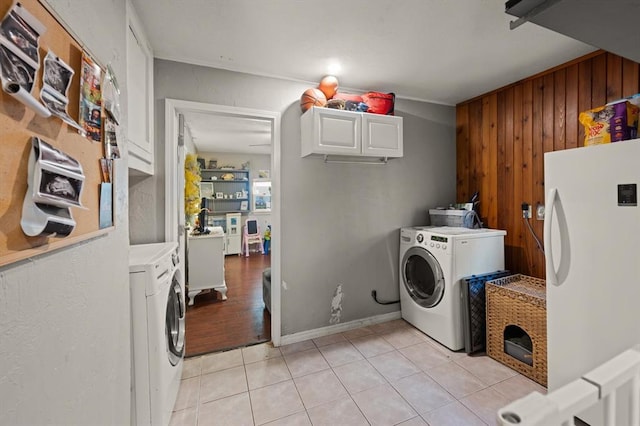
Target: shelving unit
(229, 195)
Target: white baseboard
(338, 328)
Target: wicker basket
(520, 301)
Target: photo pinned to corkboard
(57, 77)
(91, 98)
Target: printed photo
(58, 108)
(105, 169)
(53, 104)
(57, 74)
(111, 149)
(49, 154)
(59, 187)
(23, 36)
(15, 70)
(90, 99)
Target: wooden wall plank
(475, 147)
(571, 107)
(630, 78)
(560, 116)
(492, 153)
(485, 160)
(509, 184)
(501, 161)
(538, 160)
(584, 94)
(614, 77)
(462, 153)
(599, 80)
(493, 199)
(527, 163)
(518, 167)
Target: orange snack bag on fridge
(610, 123)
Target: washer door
(422, 277)
(174, 328)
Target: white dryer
(433, 260)
(158, 321)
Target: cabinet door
(327, 131)
(381, 135)
(139, 96)
(206, 262)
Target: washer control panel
(432, 242)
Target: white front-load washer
(158, 321)
(433, 260)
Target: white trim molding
(337, 328)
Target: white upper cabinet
(140, 141)
(335, 132)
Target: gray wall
(64, 316)
(340, 223)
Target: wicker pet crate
(518, 302)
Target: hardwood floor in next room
(214, 325)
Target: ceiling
(217, 133)
(442, 51)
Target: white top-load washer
(433, 260)
(158, 320)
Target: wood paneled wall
(502, 137)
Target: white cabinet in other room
(139, 96)
(234, 233)
(206, 264)
(335, 132)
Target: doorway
(174, 185)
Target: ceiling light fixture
(334, 67)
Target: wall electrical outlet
(540, 212)
(526, 210)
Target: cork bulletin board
(19, 123)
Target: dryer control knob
(444, 247)
(437, 245)
(420, 238)
(432, 244)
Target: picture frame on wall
(206, 189)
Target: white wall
(340, 223)
(64, 316)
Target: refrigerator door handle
(551, 269)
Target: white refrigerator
(592, 247)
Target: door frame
(173, 107)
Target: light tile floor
(384, 374)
